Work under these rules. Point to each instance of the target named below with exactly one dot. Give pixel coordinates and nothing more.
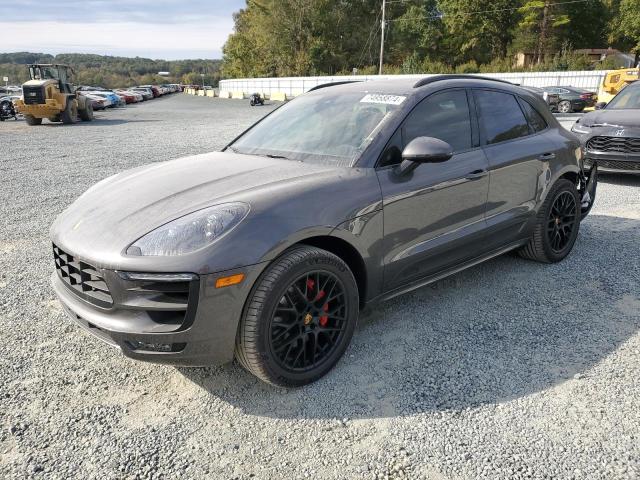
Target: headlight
(581, 129)
(191, 232)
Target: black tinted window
(500, 116)
(536, 121)
(392, 154)
(443, 115)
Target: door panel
(517, 157)
(516, 171)
(433, 218)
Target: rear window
(536, 121)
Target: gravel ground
(508, 370)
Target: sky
(159, 29)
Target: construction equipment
(614, 81)
(50, 93)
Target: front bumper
(613, 162)
(206, 338)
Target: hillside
(113, 72)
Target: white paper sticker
(384, 99)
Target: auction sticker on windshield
(386, 99)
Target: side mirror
(600, 105)
(424, 150)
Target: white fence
(292, 86)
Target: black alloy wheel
(308, 321)
(561, 221)
(299, 318)
(556, 226)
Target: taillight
(586, 96)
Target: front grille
(614, 144)
(33, 95)
(82, 278)
(614, 164)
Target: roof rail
(332, 84)
(437, 78)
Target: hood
(120, 209)
(615, 118)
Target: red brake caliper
(310, 285)
(324, 319)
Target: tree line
(318, 37)
(114, 72)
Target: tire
(70, 113)
(564, 106)
(86, 114)
(551, 225)
(267, 343)
(31, 120)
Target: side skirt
(445, 273)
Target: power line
(372, 33)
(509, 9)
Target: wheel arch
(568, 172)
(348, 253)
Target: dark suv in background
(611, 134)
(345, 196)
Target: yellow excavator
(614, 81)
(50, 93)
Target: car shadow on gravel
(620, 179)
(497, 332)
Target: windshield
(627, 98)
(327, 128)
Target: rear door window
(500, 116)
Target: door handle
(476, 174)
(547, 156)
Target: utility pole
(382, 38)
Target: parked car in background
(552, 99)
(89, 88)
(7, 109)
(146, 93)
(611, 135)
(572, 99)
(345, 196)
(136, 95)
(114, 99)
(97, 102)
(156, 91)
(127, 97)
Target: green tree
(479, 30)
(541, 20)
(625, 26)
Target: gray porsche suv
(345, 196)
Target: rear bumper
(208, 339)
(579, 104)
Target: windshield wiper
(270, 155)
